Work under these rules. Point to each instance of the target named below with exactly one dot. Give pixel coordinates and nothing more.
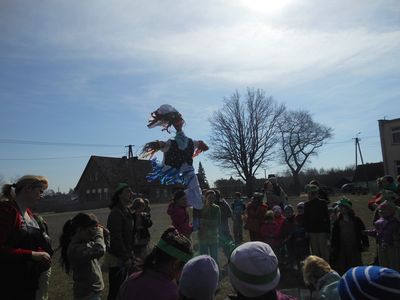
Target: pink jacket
(270, 234)
(180, 219)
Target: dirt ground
(61, 283)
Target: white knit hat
(199, 279)
(253, 269)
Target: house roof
(389, 121)
(117, 169)
(369, 172)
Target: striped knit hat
(370, 282)
(253, 269)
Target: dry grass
(61, 283)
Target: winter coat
(255, 215)
(271, 234)
(327, 287)
(120, 225)
(84, 259)
(180, 219)
(387, 231)
(141, 233)
(210, 219)
(316, 216)
(226, 213)
(361, 239)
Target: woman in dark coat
(120, 225)
(348, 240)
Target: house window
(105, 193)
(396, 135)
(87, 191)
(397, 166)
(99, 192)
(94, 191)
(96, 176)
(157, 193)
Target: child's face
(126, 197)
(332, 215)
(210, 199)
(140, 208)
(182, 202)
(288, 213)
(277, 212)
(343, 209)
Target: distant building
(369, 172)
(102, 174)
(228, 187)
(390, 142)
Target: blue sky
(90, 72)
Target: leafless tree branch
(244, 133)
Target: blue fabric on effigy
(166, 175)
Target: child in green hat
(348, 240)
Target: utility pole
(358, 150)
(131, 165)
(130, 152)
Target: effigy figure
(177, 164)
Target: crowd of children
(281, 236)
(283, 230)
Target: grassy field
(61, 283)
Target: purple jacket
(148, 285)
(385, 230)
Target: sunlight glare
(271, 7)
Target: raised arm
(79, 252)
(151, 148)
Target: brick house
(102, 174)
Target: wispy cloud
(107, 64)
(220, 42)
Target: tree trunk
(296, 183)
(249, 186)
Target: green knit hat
(312, 188)
(120, 187)
(345, 202)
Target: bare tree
(301, 138)
(244, 134)
(2, 181)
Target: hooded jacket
(180, 219)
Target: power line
(351, 140)
(342, 142)
(41, 143)
(58, 158)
